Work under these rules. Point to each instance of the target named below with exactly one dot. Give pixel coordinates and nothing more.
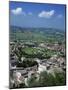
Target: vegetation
(27, 63)
(36, 34)
(30, 52)
(46, 79)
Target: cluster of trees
(27, 63)
(62, 54)
(46, 79)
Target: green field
(37, 34)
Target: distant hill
(39, 34)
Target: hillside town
(19, 55)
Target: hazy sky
(37, 15)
